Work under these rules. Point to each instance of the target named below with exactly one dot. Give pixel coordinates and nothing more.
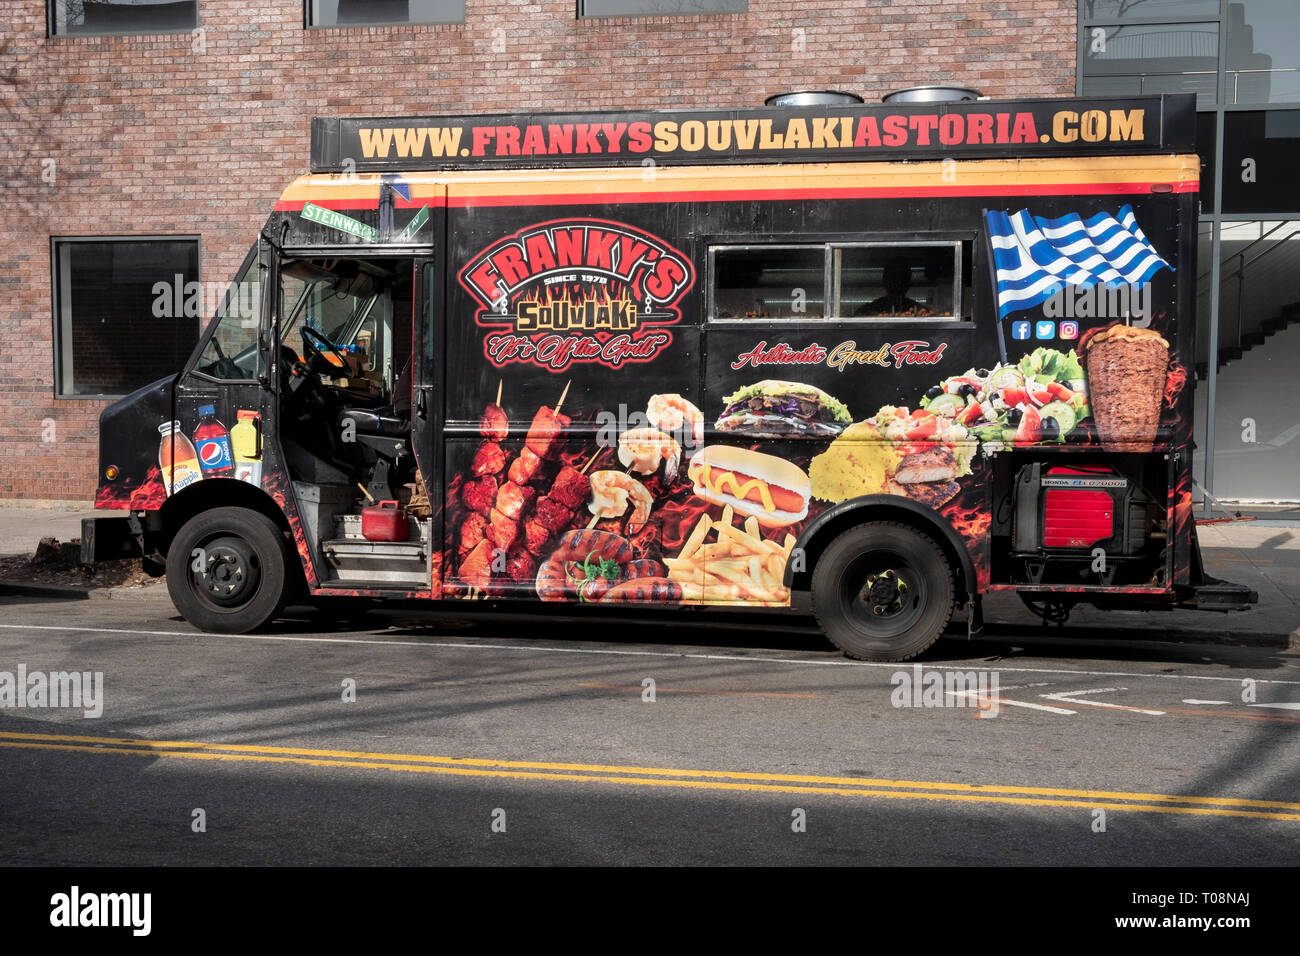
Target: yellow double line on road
(664, 777)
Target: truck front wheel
(226, 570)
(882, 591)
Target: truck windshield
(346, 301)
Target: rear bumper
(107, 539)
(1211, 594)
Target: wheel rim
(230, 572)
(884, 593)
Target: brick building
(183, 137)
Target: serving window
(841, 280)
(768, 282)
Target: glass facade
(1242, 59)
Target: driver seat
(386, 431)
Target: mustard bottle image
(245, 443)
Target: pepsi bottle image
(212, 442)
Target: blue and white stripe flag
(1035, 257)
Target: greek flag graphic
(1035, 257)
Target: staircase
(1259, 294)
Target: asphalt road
(499, 740)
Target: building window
(1128, 59)
(1263, 55)
(127, 312)
(346, 13)
(658, 8)
(1172, 46)
(74, 17)
(1259, 154)
(849, 280)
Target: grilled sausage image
(644, 591)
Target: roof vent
(931, 94)
(814, 98)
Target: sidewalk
(22, 527)
(1263, 555)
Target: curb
(994, 630)
(33, 589)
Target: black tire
(882, 591)
(244, 560)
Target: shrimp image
(611, 492)
(644, 448)
(672, 412)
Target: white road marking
(1068, 696)
(1283, 706)
(626, 653)
(984, 706)
(1190, 700)
(1033, 706)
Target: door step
(392, 562)
(369, 585)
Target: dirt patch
(59, 563)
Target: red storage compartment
(1077, 517)
(385, 521)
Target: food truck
(872, 361)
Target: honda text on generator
(872, 361)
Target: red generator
(1068, 511)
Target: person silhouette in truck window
(897, 280)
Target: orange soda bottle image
(244, 442)
(177, 459)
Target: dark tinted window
(1205, 147)
(658, 8)
(331, 13)
(122, 16)
(127, 312)
(1259, 158)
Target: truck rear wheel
(226, 570)
(882, 591)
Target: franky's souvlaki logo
(577, 290)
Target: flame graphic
(1174, 383)
(148, 496)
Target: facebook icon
(1020, 330)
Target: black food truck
(876, 361)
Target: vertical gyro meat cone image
(1126, 369)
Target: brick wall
(150, 136)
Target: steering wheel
(310, 337)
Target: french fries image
(738, 566)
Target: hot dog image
(770, 489)
(590, 565)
